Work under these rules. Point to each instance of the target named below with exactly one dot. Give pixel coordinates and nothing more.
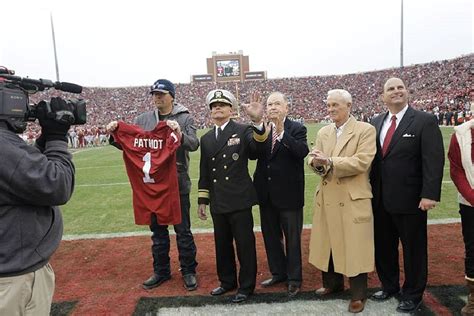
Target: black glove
(55, 121)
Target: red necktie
(388, 137)
(274, 138)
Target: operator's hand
(112, 126)
(202, 211)
(51, 127)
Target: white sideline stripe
(124, 183)
(210, 230)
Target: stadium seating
(437, 87)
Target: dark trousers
(411, 230)
(335, 281)
(283, 255)
(467, 222)
(236, 226)
(184, 239)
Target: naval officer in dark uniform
(225, 184)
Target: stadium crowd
(440, 87)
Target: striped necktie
(274, 138)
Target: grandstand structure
(439, 86)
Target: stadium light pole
(401, 35)
(54, 47)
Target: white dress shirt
(388, 121)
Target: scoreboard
(233, 66)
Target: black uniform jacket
(224, 179)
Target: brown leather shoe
(357, 306)
(326, 291)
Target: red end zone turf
(104, 276)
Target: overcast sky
(135, 42)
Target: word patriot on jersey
(148, 143)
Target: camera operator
(33, 181)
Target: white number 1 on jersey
(146, 168)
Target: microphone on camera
(68, 87)
(42, 84)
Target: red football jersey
(150, 161)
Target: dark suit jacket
(224, 179)
(279, 176)
(413, 166)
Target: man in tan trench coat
(342, 237)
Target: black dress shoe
(382, 295)
(219, 291)
(408, 306)
(272, 281)
(239, 298)
(190, 282)
(293, 290)
(155, 281)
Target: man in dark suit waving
(406, 181)
(279, 181)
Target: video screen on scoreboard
(228, 68)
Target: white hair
(282, 95)
(343, 93)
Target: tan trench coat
(342, 220)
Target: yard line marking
(100, 167)
(101, 184)
(77, 151)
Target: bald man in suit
(406, 181)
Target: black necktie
(218, 133)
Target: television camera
(16, 110)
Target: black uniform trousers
(283, 255)
(467, 221)
(184, 239)
(335, 281)
(411, 230)
(236, 226)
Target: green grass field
(101, 202)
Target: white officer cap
(221, 95)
